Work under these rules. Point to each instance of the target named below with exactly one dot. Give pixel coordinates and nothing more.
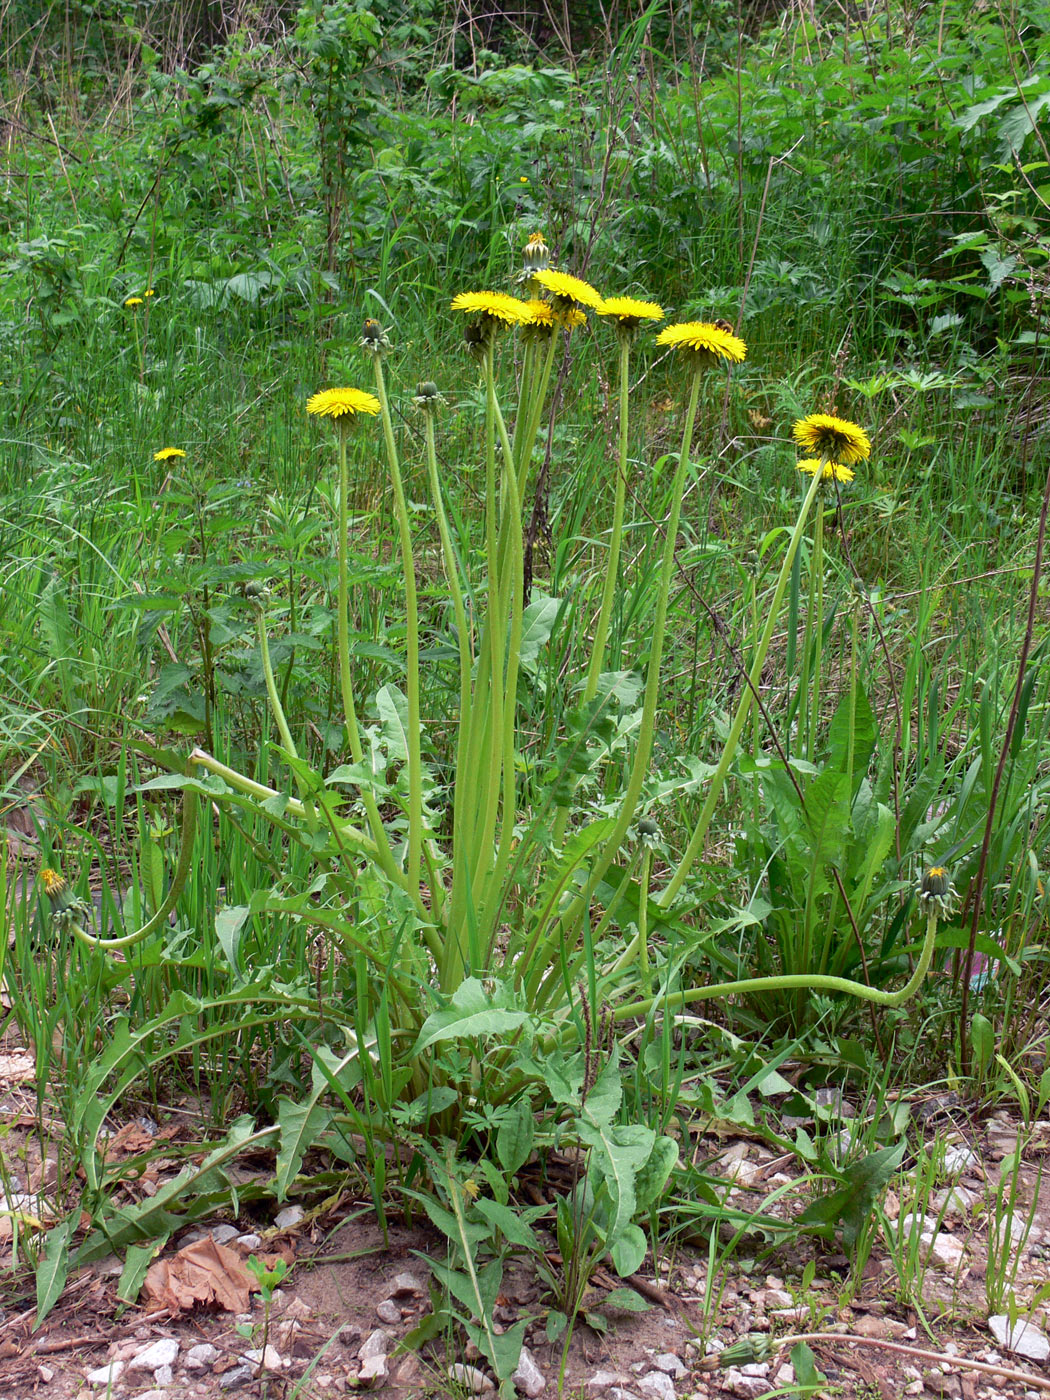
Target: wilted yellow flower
(494, 306)
(829, 470)
(836, 439)
(339, 403)
(704, 338)
(166, 453)
(564, 287)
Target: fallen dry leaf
(202, 1273)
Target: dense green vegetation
(376, 930)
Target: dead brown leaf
(201, 1274)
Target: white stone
(785, 1376)
(152, 1394)
(755, 1368)
(602, 1380)
(747, 1387)
(269, 1358)
(388, 1311)
(289, 1217)
(249, 1242)
(528, 1378)
(163, 1375)
(377, 1343)
(223, 1234)
(657, 1385)
(944, 1250)
(914, 1388)
(470, 1378)
(106, 1375)
(957, 1201)
(673, 1365)
(1023, 1339)
(1012, 1228)
(959, 1159)
(162, 1353)
(200, 1357)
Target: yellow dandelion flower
(829, 470)
(341, 403)
(544, 315)
(166, 453)
(629, 311)
(834, 438)
(564, 287)
(704, 338)
(494, 306)
(148, 292)
(133, 301)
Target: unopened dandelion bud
(936, 892)
(427, 395)
(256, 593)
(755, 1347)
(536, 257)
(374, 338)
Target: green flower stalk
(415, 761)
(343, 406)
(846, 442)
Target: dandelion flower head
(340, 403)
(544, 316)
(627, 309)
(166, 453)
(829, 471)
(52, 881)
(493, 306)
(564, 287)
(837, 439)
(132, 301)
(704, 338)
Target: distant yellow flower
(564, 287)
(494, 306)
(829, 470)
(704, 338)
(166, 453)
(836, 439)
(133, 301)
(148, 292)
(627, 309)
(341, 403)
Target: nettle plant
(492, 932)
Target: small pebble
(388, 1311)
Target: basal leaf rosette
(832, 439)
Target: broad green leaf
(300, 1125)
(627, 1251)
(537, 623)
(53, 1268)
(136, 1262)
(652, 1178)
(851, 1204)
(626, 1300)
(508, 1222)
(515, 1135)
(393, 719)
(471, 1012)
(229, 923)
